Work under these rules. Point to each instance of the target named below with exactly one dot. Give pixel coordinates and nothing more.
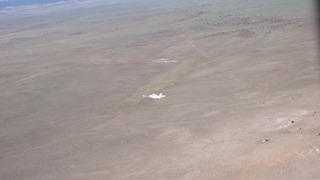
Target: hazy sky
(6, 3)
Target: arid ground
(241, 84)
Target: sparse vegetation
(235, 72)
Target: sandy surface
(239, 104)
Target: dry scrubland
(242, 90)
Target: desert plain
(241, 79)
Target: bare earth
(241, 81)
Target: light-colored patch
(179, 135)
(250, 95)
(302, 113)
(209, 114)
(286, 122)
(314, 151)
(295, 117)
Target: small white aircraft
(155, 96)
